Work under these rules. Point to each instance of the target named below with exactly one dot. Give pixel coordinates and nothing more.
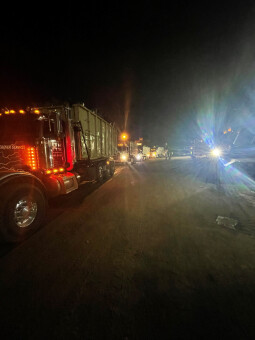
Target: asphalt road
(139, 257)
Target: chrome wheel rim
(25, 212)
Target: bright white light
(123, 157)
(138, 157)
(216, 152)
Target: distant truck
(146, 152)
(153, 152)
(46, 152)
(160, 152)
(123, 155)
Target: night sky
(151, 69)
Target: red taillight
(32, 158)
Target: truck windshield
(17, 128)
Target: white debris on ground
(227, 222)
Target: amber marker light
(61, 169)
(22, 112)
(48, 172)
(37, 112)
(6, 112)
(12, 111)
(55, 171)
(32, 158)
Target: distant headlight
(124, 157)
(138, 157)
(216, 152)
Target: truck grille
(58, 155)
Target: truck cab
(46, 152)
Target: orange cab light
(21, 111)
(48, 172)
(6, 112)
(55, 171)
(61, 169)
(32, 158)
(37, 112)
(12, 111)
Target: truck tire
(107, 172)
(22, 213)
(100, 173)
(112, 168)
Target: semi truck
(160, 152)
(46, 152)
(146, 152)
(153, 152)
(136, 154)
(123, 152)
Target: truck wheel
(23, 212)
(100, 173)
(107, 172)
(112, 168)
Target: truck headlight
(138, 157)
(124, 157)
(216, 152)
